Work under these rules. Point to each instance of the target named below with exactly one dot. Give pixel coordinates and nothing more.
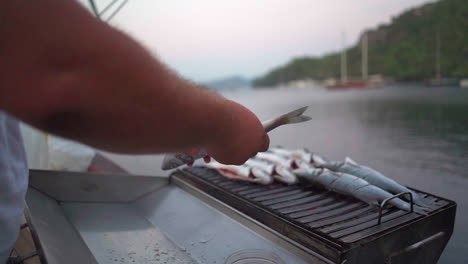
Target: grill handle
(415, 246)
(384, 202)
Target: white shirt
(13, 183)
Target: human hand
(243, 137)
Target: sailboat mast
(437, 56)
(344, 72)
(364, 69)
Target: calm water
(415, 135)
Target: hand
(243, 137)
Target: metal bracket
(384, 202)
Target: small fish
(277, 159)
(285, 175)
(351, 185)
(265, 166)
(372, 176)
(278, 172)
(242, 172)
(299, 154)
(174, 160)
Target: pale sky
(209, 39)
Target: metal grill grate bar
(241, 188)
(334, 212)
(256, 188)
(286, 198)
(394, 221)
(299, 201)
(361, 219)
(368, 224)
(307, 206)
(276, 190)
(300, 216)
(276, 195)
(343, 217)
(232, 184)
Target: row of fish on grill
(292, 166)
(300, 165)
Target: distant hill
(233, 82)
(403, 50)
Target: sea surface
(413, 134)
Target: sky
(210, 39)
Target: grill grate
(303, 212)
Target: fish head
(303, 154)
(261, 176)
(318, 161)
(300, 164)
(285, 160)
(174, 160)
(285, 175)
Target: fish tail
(289, 118)
(400, 204)
(407, 207)
(296, 116)
(297, 119)
(417, 200)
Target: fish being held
(370, 175)
(278, 172)
(174, 160)
(243, 173)
(350, 185)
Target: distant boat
(438, 80)
(365, 82)
(464, 83)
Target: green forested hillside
(404, 49)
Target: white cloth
(13, 183)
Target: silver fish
(278, 172)
(174, 160)
(243, 172)
(300, 154)
(277, 159)
(372, 176)
(285, 175)
(351, 185)
(265, 166)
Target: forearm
(138, 111)
(96, 85)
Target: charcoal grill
(198, 216)
(341, 229)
